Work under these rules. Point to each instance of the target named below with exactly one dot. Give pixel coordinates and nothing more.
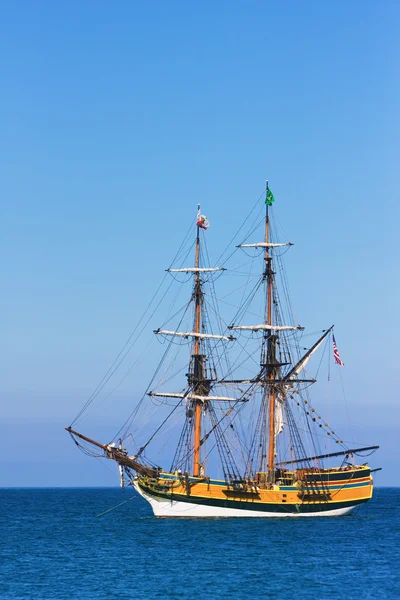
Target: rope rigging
(269, 351)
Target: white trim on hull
(166, 508)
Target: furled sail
(196, 270)
(264, 245)
(279, 422)
(291, 377)
(193, 334)
(304, 360)
(194, 396)
(264, 326)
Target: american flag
(336, 353)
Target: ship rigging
(243, 407)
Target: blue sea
(53, 546)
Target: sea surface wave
(55, 547)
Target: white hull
(166, 508)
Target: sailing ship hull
(164, 507)
(331, 494)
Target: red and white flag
(336, 356)
(202, 221)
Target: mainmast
(270, 375)
(269, 391)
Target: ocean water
(54, 547)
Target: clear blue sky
(117, 118)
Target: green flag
(269, 198)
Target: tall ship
(233, 429)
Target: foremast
(196, 377)
(201, 377)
